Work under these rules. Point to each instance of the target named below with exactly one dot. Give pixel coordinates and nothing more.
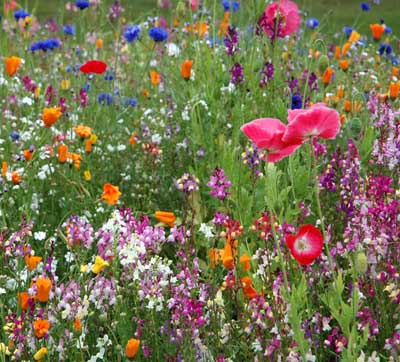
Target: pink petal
(261, 131)
(318, 121)
(284, 152)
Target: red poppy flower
(93, 66)
(307, 245)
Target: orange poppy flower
(377, 30)
(346, 48)
(146, 93)
(248, 288)
(340, 92)
(394, 90)
(62, 153)
(230, 251)
(132, 139)
(99, 43)
(337, 52)
(155, 77)
(395, 72)
(77, 325)
(15, 178)
(32, 261)
(186, 69)
(11, 65)
(83, 131)
(344, 64)
(88, 146)
(132, 347)
(111, 194)
(347, 105)
(245, 261)
(51, 116)
(4, 167)
(41, 327)
(27, 155)
(23, 300)
(168, 218)
(354, 36)
(327, 76)
(223, 28)
(215, 256)
(43, 286)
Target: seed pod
(360, 263)
(323, 63)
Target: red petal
(93, 66)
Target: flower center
(301, 244)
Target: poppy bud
(323, 63)
(180, 9)
(360, 263)
(355, 125)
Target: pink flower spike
(307, 245)
(317, 121)
(267, 133)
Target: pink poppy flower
(267, 133)
(194, 4)
(307, 245)
(280, 19)
(317, 121)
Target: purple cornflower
(267, 73)
(237, 76)
(219, 184)
(187, 183)
(231, 41)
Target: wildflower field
(203, 180)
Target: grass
(337, 13)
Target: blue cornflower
(45, 45)
(105, 98)
(131, 102)
(158, 34)
(297, 102)
(86, 87)
(348, 30)
(388, 30)
(131, 33)
(365, 7)
(20, 14)
(312, 23)
(385, 48)
(225, 4)
(108, 77)
(69, 29)
(14, 136)
(394, 60)
(235, 5)
(82, 4)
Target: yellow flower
(84, 268)
(4, 349)
(40, 354)
(87, 175)
(65, 84)
(99, 265)
(93, 138)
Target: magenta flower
(280, 19)
(307, 245)
(267, 133)
(317, 121)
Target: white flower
(172, 49)
(206, 230)
(39, 235)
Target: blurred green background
(333, 14)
